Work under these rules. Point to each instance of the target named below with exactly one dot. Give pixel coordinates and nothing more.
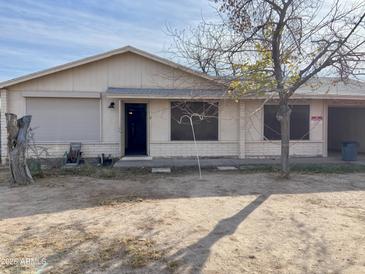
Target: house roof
(100, 57)
(332, 87)
(326, 88)
(322, 88)
(158, 93)
(319, 88)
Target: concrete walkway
(215, 162)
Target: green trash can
(349, 150)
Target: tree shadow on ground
(200, 250)
(315, 254)
(84, 192)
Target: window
(206, 129)
(299, 122)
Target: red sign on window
(316, 118)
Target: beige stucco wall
(240, 124)
(92, 80)
(256, 146)
(240, 133)
(161, 146)
(124, 70)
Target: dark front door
(136, 129)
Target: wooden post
(17, 146)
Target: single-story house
(130, 102)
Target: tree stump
(17, 147)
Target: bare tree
(35, 153)
(277, 46)
(213, 48)
(34, 150)
(17, 146)
(193, 117)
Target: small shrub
(35, 167)
(107, 173)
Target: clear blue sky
(38, 34)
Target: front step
(226, 168)
(161, 170)
(136, 158)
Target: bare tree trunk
(283, 117)
(17, 146)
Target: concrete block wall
(187, 149)
(88, 150)
(3, 133)
(272, 148)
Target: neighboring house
(123, 102)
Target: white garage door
(64, 119)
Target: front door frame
(122, 103)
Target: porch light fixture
(112, 105)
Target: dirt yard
(229, 222)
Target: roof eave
(121, 96)
(317, 97)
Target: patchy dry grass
(132, 252)
(109, 173)
(225, 223)
(116, 201)
(307, 168)
(4, 175)
(98, 172)
(76, 250)
(142, 252)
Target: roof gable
(100, 57)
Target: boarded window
(64, 119)
(299, 122)
(205, 126)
